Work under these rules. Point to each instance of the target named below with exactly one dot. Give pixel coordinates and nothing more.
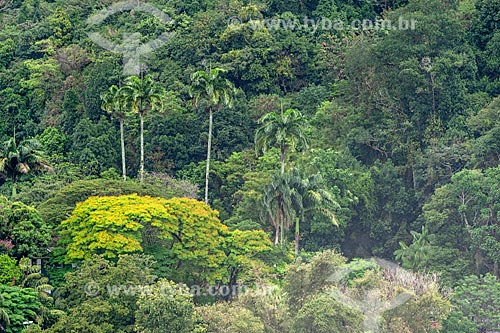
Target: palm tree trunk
(207, 171)
(122, 139)
(281, 231)
(297, 235)
(282, 219)
(142, 147)
(282, 159)
(276, 238)
(281, 214)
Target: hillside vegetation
(156, 155)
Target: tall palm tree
(17, 160)
(217, 92)
(142, 96)
(277, 205)
(311, 197)
(293, 197)
(284, 130)
(113, 103)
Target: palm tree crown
(212, 87)
(416, 255)
(113, 102)
(277, 205)
(311, 197)
(17, 160)
(284, 130)
(142, 95)
(293, 197)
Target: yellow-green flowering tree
(195, 245)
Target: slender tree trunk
(142, 147)
(122, 139)
(282, 220)
(207, 171)
(433, 94)
(276, 238)
(233, 279)
(297, 236)
(282, 159)
(281, 215)
(281, 230)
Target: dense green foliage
(221, 317)
(300, 127)
(23, 231)
(97, 298)
(477, 301)
(168, 308)
(21, 305)
(10, 271)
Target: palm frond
(211, 87)
(281, 129)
